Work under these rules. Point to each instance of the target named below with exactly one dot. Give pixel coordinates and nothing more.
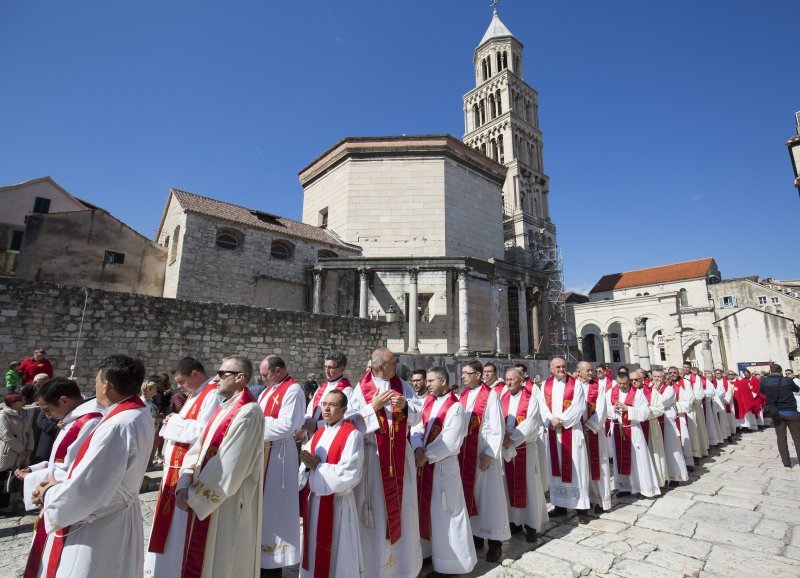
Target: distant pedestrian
(28, 390)
(13, 378)
(310, 386)
(35, 365)
(779, 391)
(16, 445)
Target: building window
(114, 257)
(281, 250)
(173, 250)
(16, 241)
(323, 218)
(684, 298)
(423, 306)
(727, 301)
(613, 339)
(774, 300)
(41, 205)
(762, 300)
(228, 240)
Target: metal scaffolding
(547, 260)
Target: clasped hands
(388, 396)
(309, 460)
(37, 495)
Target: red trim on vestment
(468, 456)
(425, 473)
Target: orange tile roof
(255, 219)
(655, 275)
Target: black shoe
(270, 572)
(530, 535)
(623, 494)
(583, 516)
(495, 551)
(427, 561)
(598, 509)
(674, 483)
(515, 529)
(478, 542)
(558, 511)
(689, 468)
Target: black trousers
(793, 424)
(4, 497)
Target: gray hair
(243, 364)
(440, 373)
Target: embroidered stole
(341, 385)
(516, 469)
(622, 434)
(564, 469)
(593, 439)
(468, 456)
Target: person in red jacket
(35, 365)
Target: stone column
(495, 289)
(643, 348)
(626, 347)
(606, 348)
(544, 330)
(579, 341)
(537, 332)
(363, 276)
(705, 346)
(463, 314)
(522, 301)
(317, 302)
(412, 311)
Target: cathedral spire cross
(494, 4)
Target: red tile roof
(655, 275)
(255, 219)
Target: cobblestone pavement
(739, 515)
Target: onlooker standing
(28, 390)
(49, 427)
(779, 391)
(310, 386)
(16, 443)
(35, 365)
(149, 390)
(13, 378)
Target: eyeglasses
(636, 379)
(325, 404)
(222, 374)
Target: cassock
(78, 425)
(283, 408)
(331, 543)
(596, 446)
(568, 462)
(744, 405)
(541, 446)
(314, 410)
(633, 467)
(685, 407)
(671, 431)
(164, 555)
(444, 526)
(654, 437)
(605, 385)
(724, 409)
(95, 514)
(388, 512)
(223, 472)
(710, 401)
(699, 390)
(483, 490)
(524, 492)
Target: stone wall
(161, 330)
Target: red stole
(425, 473)
(726, 386)
(593, 439)
(529, 384)
(564, 470)
(40, 536)
(677, 389)
(165, 505)
(622, 436)
(197, 530)
(60, 536)
(516, 468)
(273, 405)
(391, 439)
(341, 385)
(468, 456)
(322, 559)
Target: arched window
(505, 59)
(281, 249)
(499, 106)
(173, 250)
(476, 116)
(494, 149)
(229, 240)
(500, 154)
(325, 254)
(492, 108)
(684, 298)
(499, 61)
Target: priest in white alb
(59, 398)
(699, 417)
(724, 406)
(562, 402)
(652, 431)
(335, 364)
(283, 407)
(594, 426)
(330, 468)
(481, 462)
(444, 526)
(385, 408)
(671, 429)
(180, 431)
(94, 513)
(524, 493)
(220, 482)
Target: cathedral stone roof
(655, 275)
(496, 30)
(254, 219)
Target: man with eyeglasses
(283, 406)
(335, 364)
(420, 384)
(634, 472)
(480, 461)
(221, 479)
(331, 465)
(180, 431)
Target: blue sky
(664, 121)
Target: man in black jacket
(779, 391)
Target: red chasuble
(61, 535)
(593, 439)
(563, 470)
(622, 433)
(165, 505)
(468, 456)
(391, 439)
(743, 401)
(516, 468)
(341, 385)
(40, 536)
(197, 530)
(425, 473)
(322, 558)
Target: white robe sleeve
(528, 429)
(291, 416)
(598, 420)
(492, 427)
(449, 441)
(544, 411)
(668, 397)
(414, 405)
(657, 408)
(573, 414)
(224, 473)
(640, 410)
(417, 436)
(328, 479)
